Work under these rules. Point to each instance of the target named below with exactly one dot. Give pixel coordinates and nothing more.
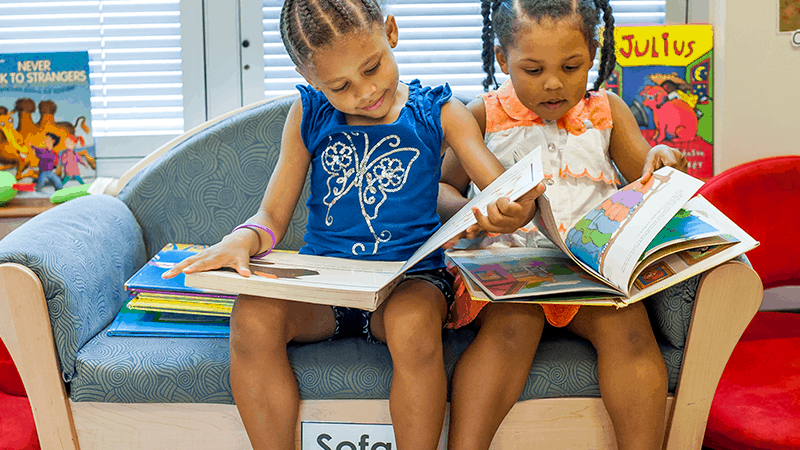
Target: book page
(526, 272)
(513, 183)
(685, 225)
(688, 263)
(611, 237)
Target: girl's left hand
(502, 216)
(660, 156)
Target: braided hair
(500, 21)
(308, 25)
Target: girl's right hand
(232, 251)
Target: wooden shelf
(25, 207)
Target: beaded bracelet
(253, 226)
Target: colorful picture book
(147, 280)
(41, 95)
(135, 323)
(665, 75)
(642, 239)
(355, 283)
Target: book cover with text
(41, 95)
(664, 73)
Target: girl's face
(549, 65)
(70, 144)
(358, 73)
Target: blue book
(158, 324)
(148, 278)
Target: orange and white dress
(578, 172)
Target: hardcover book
(163, 324)
(147, 280)
(665, 73)
(357, 283)
(642, 239)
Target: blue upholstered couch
(195, 191)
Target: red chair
(757, 402)
(17, 429)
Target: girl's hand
(232, 251)
(502, 216)
(660, 156)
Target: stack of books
(159, 307)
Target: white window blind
(134, 51)
(440, 41)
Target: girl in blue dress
(374, 146)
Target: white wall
(757, 83)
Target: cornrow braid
(307, 25)
(608, 58)
(487, 55)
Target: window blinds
(440, 41)
(134, 51)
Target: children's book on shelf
(357, 283)
(665, 74)
(45, 112)
(640, 240)
(133, 323)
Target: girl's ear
(391, 30)
(500, 56)
(297, 69)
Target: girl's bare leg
(492, 372)
(410, 322)
(633, 377)
(262, 381)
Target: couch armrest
(82, 252)
(728, 297)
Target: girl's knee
(256, 323)
(514, 327)
(414, 334)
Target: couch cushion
(179, 370)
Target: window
(139, 92)
(440, 41)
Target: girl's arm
(275, 213)
(631, 152)
(468, 159)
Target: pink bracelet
(253, 226)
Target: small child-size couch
(61, 284)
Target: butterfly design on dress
(373, 178)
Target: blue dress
(374, 188)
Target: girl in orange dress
(547, 48)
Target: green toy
(69, 193)
(7, 191)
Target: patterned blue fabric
(82, 251)
(161, 370)
(202, 188)
(374, 188)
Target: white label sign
(346, 436)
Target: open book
(642, 239)
(357, 283)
